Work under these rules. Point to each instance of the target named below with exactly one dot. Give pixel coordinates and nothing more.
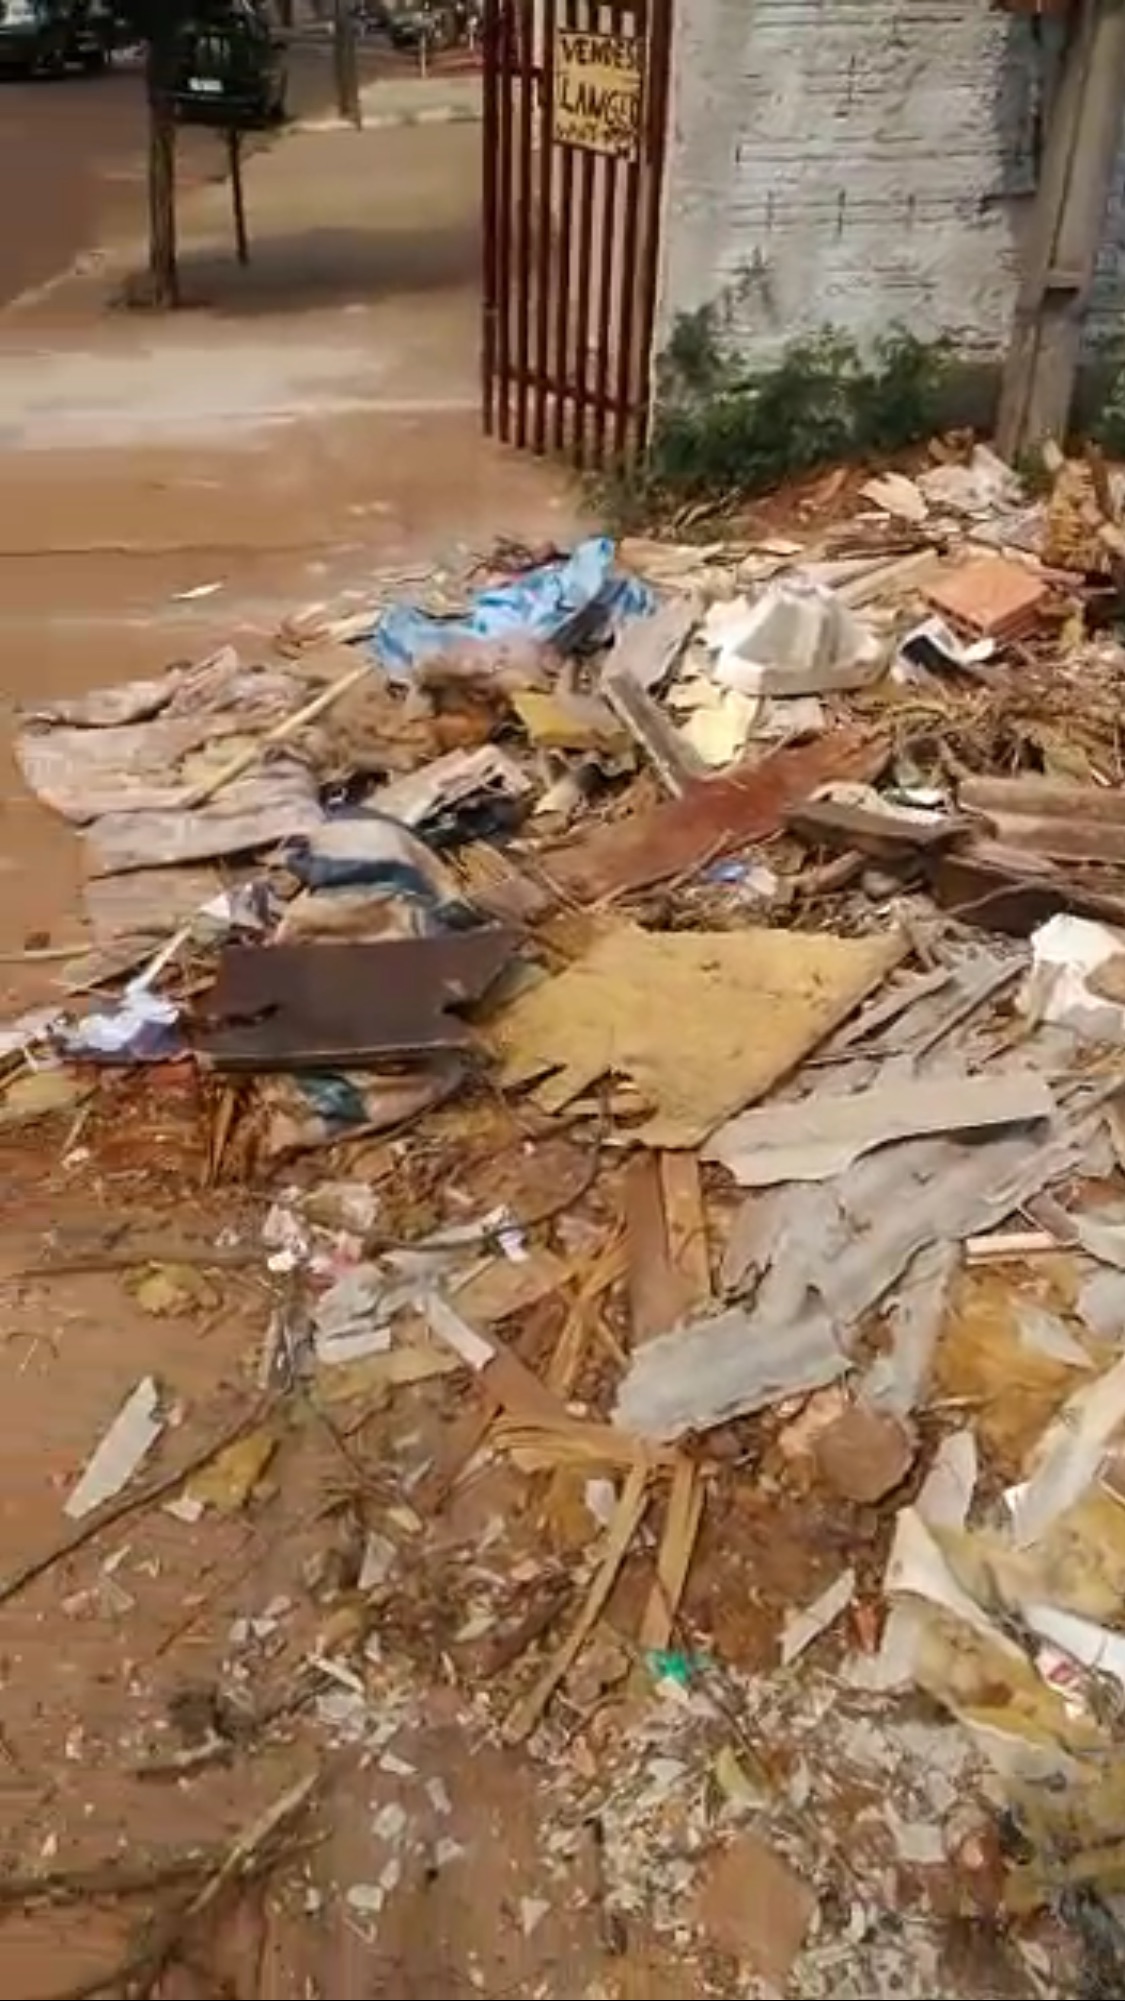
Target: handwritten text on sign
(598, 92)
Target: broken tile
(991, 595)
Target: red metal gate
(575, 110)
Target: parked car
(417, 21)
(48, 37)
(231, 68)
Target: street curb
(434, 114)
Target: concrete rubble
(673, 1038)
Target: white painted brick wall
(855, 162)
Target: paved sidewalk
(442, 99)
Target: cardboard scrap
(702, 1022)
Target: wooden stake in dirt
(162, 165)
(347, 63)
(238, 202)
(1082, 143)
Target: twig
(112, 1878)
(145, 1961)
(129, 1503)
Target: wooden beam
(1083, 138)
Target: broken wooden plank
(629, 1514)
(666, 1232)
(985, 885)
(1061, 840)
(713, 817)
(651, 1282)
(1062, 822)
(1082, 143)
(884, 836)
(821, 1135)
(685, 1222)
(1043, 798)
(676, 762)
(673, 1561)
(499, 1370)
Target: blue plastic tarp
(580, 594)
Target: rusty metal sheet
(323, 1006)
(711, 819)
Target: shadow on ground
(318, 268)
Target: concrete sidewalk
(440, 99)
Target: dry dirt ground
(311, 420)
(280, 456)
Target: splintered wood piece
(627, 1519)
(673, 1562)
(669, 1267)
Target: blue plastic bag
(579, 593)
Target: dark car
(231, 68)
(415, 22)
(47, 37)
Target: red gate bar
(569, 300)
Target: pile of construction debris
(674, 996)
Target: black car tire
(95, 61)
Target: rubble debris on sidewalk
(673, 1001)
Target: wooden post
(234, 155)
(347, 63)
(1083, 137)
(162, 166)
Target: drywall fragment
(120, 1451)
(821, 1135)
(711, 1370)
